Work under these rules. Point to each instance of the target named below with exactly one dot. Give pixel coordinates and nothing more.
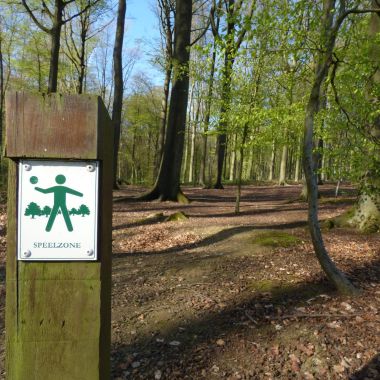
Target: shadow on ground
(250, 318)
(215, 238)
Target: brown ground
(221, 296)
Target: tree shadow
(370, 371)
(215, 238)
(198, 342)
(229, 321)
(232, 214)
(2, 273)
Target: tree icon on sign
(33, 210)
(73, 211)
(83, 210)
(46, 211)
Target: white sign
(57, 210)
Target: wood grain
(58, 313)
(52, 126)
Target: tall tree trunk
(240, 169)
(163, 118)
(247, 168)
(192, 144)
(272, 161)
(221, 141)
(118, 83)
(232, 45)
(54, 54)
(187, 133)
(319, 160)
(166, 9)
(367, 211)
(233, 158)
(1, 94)
(133, 158)
(202, 173)
(297, 158)
(167, 186)
(82, 51)
(329, 31)
(284, 159)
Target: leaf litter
(196, 299)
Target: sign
(57, 210)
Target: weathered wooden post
(58, 274)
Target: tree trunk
(367, 211)
(328, 33)
(272, 162)
(284, 159)
(319, 159)
(82, 53)
(1, 94)
(221, 141)
(192, 145)
(54, 55)
(297, 158)
(233, 158)
(133, 158)
(167, 186)
(163, 118)
(202, 173)
(240, 169)
(232, 45)
(118, 83)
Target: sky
(140, 33)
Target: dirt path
(225, 296)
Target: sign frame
(90, 252)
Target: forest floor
(226, 296)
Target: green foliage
(33, 210)
(269, 76)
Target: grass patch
(336, 201)
(276, 239)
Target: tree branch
(33, 17)
(244, 29)
(86, 8)
(47, 9)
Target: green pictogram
(33, 180)
(33, 210)
(59, 202)
(46, 211)
(83, 210)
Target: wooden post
(58, 313)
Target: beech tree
(56, 17)
(77, 35)
(332, 19)
(118, 82)
(1, 87)
(167, 185)
(231, 44)
(166, 11)
(367, 212)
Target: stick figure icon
(59, 201)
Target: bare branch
(47, 10)
(85, 9)
(33, 17)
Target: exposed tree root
(156, 195)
